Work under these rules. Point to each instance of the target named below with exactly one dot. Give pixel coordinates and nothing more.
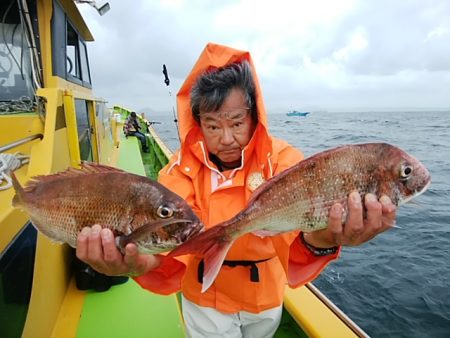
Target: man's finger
(373, 224)
(111, 254)
(335, 223)
(131, 257)
(354, 226)
(389, 212)
(95, 252)
(83, 244)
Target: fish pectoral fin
(213, 245)
(122, 241)
(213, 261)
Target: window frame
(60, 43)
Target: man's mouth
(230, 151)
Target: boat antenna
(167, 82)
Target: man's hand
(357, 230)
(97, 247)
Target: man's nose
(227, 136)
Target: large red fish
(134, 207)
(300, 197)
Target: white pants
(206, 322)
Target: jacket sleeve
(303, 265)
(300, 264)
(166, 279)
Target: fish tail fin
(213, 246)
(18, 197)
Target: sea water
(398, 284)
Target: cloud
(333, 55)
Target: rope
(9, 163)
(23, 104)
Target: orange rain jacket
(216, 197)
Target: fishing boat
(298, 113)
(50, 120)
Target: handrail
(19, 142)
(338, 312)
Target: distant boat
(297, 113)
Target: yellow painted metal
(166, 151)
(14, 128)
(69, 314)
(45, 11)
(93, 124)
(313, 316)
(11, 220)
(52, 261)
(72, 129)
(55, 152)
(64, 303)
(75, 18)
(26, 124)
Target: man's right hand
(97, 247)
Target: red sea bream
(136, 208)
(300, 197)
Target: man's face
(228, 130)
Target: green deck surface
(127, 310)
(130, 155)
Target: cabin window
(84, 130)
(16, 82)
(16, 279)
(85, 74)
(70, 58)
(72, 53)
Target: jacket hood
(213, 55)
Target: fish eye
(406, 171)
(164, 211)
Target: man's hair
(133, 114)
(212, 88)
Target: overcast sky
(334, 55)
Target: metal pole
(19, 142)
(167, 82)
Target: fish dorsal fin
(91, 167)
(86, 168)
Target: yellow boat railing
(24, 140)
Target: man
(226, 153)
(132, 127)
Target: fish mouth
(143, 231)
(190, 232)
(417, 193)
